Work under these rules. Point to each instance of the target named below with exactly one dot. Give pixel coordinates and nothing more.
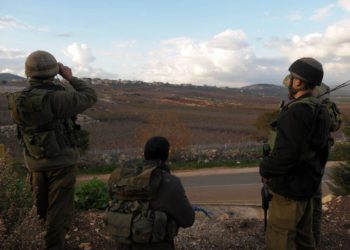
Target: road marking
(233, 185)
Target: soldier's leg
(284, 215)
(317, 215)
(39, 184)
(305, 238)
(61, 206)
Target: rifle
(265, 195)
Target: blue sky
(218, 42)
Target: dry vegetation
(129, 113)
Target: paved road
(223, 186)
(235, 188)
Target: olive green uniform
(43, 113)
(295, 167)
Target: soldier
(148, 203)
(322, 92)
(45, 116)
(295, 166)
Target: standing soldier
(148, 203)
(45, 115)
(323, 93)
(294, 169)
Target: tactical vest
(38, 130)
(129, 217)
(320, 108)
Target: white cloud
(322, 13)
(331, 47)
(226, 59)
(294, 16)
(12, 60)
(345, 4)
(8, 22)
(82, 57)
(80, 53)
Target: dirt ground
(224, 231)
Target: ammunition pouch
(140, 226)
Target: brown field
(127, 114)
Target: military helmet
(41, 64)
(307, 69)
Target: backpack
(129, 217)
(41, 134)
(334, 114)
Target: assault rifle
(265, 195)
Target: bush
(340, 177)
(340, 152)
(91, 195)
(15, 196)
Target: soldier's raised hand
(65, 72)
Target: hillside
(10, 77)
(129, 112)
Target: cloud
(344, 4)
(8, 22)
(82, 57)
(80, 53)
(294, 16)
(64, 35)
(322, 13)
(227, 59)
(12, 60)
(331, 47)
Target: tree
(262, 123)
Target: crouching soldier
(148, 203)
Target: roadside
(222, 170)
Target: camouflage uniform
(43, 113)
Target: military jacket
(43, 114)
(300, 152)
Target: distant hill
(264, 89)
(10, 77)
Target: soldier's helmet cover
(41, 64)
(307, 69)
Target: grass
(212, 164)
(107, 169)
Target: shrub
(15, 196)
(340, 177)
(91, 195)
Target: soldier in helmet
(148, 203)
(45, 116)
(322, 92)
(294, 169)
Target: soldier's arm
(173, 200)
(69, 103)
(292, 134)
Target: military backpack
(129, 216)
(38, 130)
